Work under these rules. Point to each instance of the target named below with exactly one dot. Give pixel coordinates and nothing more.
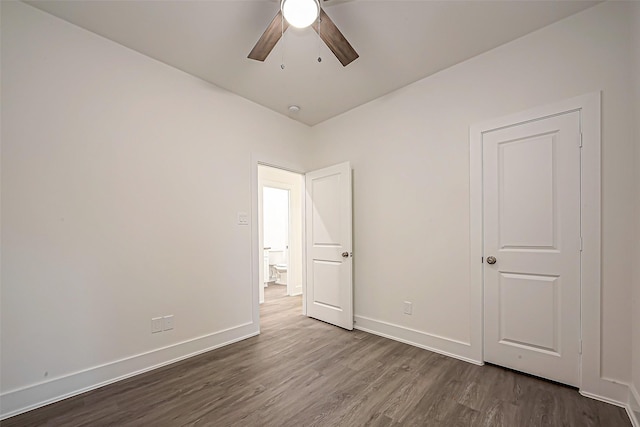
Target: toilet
(281, 274)
(278, 266)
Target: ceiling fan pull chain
(319, 38)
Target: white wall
(122, 179)
(121, 182)
(410, 155)
(635, 364)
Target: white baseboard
(445, 346)
(601, 398)
(606, 390)
(631, 404)
(24, 399)
(634, 406)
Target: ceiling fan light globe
(300, 13)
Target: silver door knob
(345, 254)
(491, 260)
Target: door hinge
(580, 346)
(580, 141)
(482, 260)
(580, 243)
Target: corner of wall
(633, 409)
(634, 394)
(634, 387)
(184, 130)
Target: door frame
(256, 252)
(592, 383)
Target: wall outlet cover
(408, 307)
(168, 322)
(156, 325)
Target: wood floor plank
(303, 372)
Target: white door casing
(329, 293)
(531, 187)
(592, 381)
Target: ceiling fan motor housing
(330, 35)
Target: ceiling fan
(311, 14)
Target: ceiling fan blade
(269, 38)
(334, 40)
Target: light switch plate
(243, 218)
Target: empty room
(320, 212)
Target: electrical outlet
(408, 307)
(168, 322)
(156, 325)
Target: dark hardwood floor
(302, 372)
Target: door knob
(491, 260)
(345, 254)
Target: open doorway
(275, 226)
(280, 225)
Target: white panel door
(531, 178)
(329, 259)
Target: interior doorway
(531, 223)
(591, 381)
(280, 230)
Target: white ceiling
(399, 42)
